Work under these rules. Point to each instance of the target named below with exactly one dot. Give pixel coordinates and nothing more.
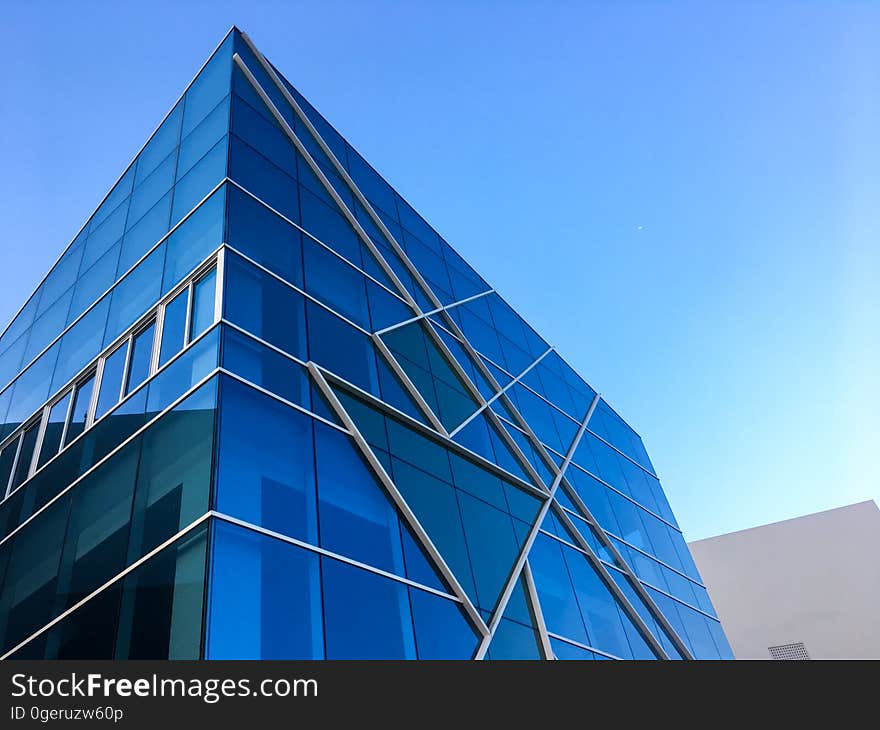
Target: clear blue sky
(681, 196)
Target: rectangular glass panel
(81, 402)
(7, 461)
(141, 354)
(54, 430)
(111, 380)
(24, 457)
(203, 304)
(173, 327)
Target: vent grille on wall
(789, 651)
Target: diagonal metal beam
(420, 532)
(530, 539)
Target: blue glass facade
(259, 408)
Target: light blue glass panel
(204, 291)
(199, 181)
(194, 239)
(134, 295)
(265, 598)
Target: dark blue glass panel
(266, 463)
(334, 282)
(512, 640)
(357, 519)
(442, 631)
(266, 368)
(380, 628)
(329, 226)
(342, 349)
(257, 127)
(435, 506)
(32, 387)
(555, 591)
(260, 177)
(253, 301)
(264, 237)
(265, 598)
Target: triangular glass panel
(441, 628)
(466, 363)
(429, 371)
(357, 518)
(481, 437)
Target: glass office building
(259, 408)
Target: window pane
(265, 307)
(81, 402)
(173, 327)
(25, 455)
(266, 471)
(380, 628)
(111, 381)
(357, 518)
(161, 612)
(265, 598)
(442, 631)
(54, 430)
(7, 461)
(203, 304)
(141, 353)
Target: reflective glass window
(111, 380)
(266, 463)
(54, 430)
(380, 628)
(25, 455)
(341, 348)
(264, 236)
(265, 307)
(141, 354)
(265, 598)
(81, 401)
(441, 628)
(173, 327)
(357, 519)
(193, 240)
(203, 304)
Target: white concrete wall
(814, 579)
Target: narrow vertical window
(203, 304)
(54, 429)
(111, 380)
(141, 353)
(25, 455)
(7, 461)
(81, 402)
(173, 327)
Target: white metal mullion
(530, 539)
(499, 393)
(398, 499)
(413, 424)
(659, 616)
(425, 315)
(409, 385)
(532, 594)
(614, 589)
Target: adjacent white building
(805, 588)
